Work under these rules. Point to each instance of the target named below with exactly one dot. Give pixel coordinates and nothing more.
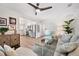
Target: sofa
(21, 51)
(68, 45)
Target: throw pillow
(1, 49)
(9, 51)
(67, 47)
(64, 39)
(1, 53)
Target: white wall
(75, 25)
(22, 22)
(6, 13)
(59, 14)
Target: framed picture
(3, 21)
(12, 20)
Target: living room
(39, 29)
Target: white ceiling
(57, 13)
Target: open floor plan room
(39, 29)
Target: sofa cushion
(74, 53)
(9, 51)
(67, 47)
(23, 51)
(2, 53)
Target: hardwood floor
(29, 42)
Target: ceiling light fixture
(37, 10)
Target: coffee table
(44, 49)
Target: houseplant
(3, 30)
(67, 28)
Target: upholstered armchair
(68, 45)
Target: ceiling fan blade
(33, 5)
(42, 9)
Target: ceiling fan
(39, 9)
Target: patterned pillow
(66, 38)
(9, 51)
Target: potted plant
(67, 27)
(3, 30)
